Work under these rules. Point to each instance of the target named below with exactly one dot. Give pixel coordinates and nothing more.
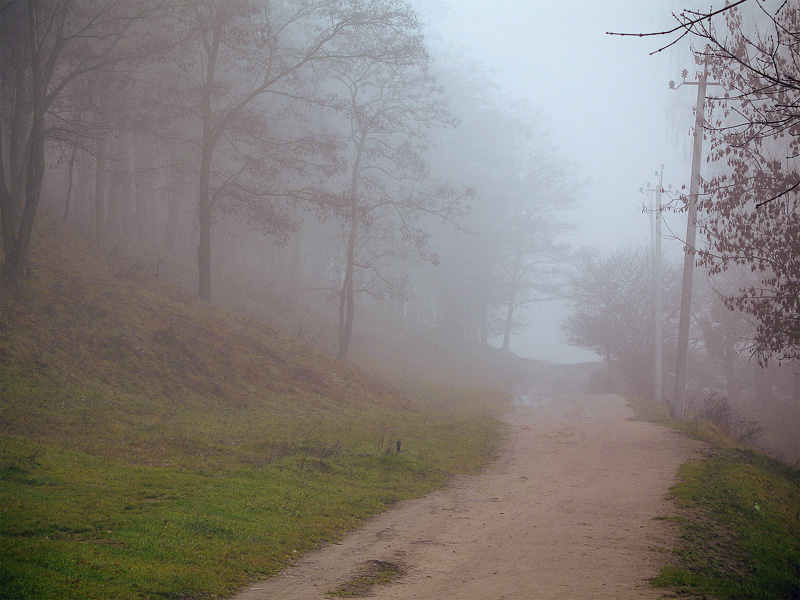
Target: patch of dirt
(573, 509)
(373, 572)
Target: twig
(783, 193)
(682, 25)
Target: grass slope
(739, 518)
(151, 447)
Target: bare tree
(243, 58)
(724, 335)
(530, 190)
(612, 312)
(531, 255)
(389, 105)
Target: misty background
(606, 102)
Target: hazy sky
(606, 99)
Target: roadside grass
(739, 518)
(82, 526)
(153, 447)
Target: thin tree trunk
(512, 304)
(509, 320)
(173, 213)
(207, 144)
(204, 243)
(347, 306)
(100, 176)
(115, 192)
(13, 194)
(85, 195)
(16, 262)
(140, 198)
(70, 168)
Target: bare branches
(687, 21)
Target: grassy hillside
(152, 447)
(739, 517)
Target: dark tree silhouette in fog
(388, 105)
(244, 57)
(514, 250)
(47, 47)
(611, 312)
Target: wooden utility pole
(655, 248)
(679, 396)
(658, 294)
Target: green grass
(739, 518)
(153, 447)
(80, 526)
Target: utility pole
(658, 287)
(679, 397)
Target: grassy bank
(739, 519)
(152, 447)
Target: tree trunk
(142, 191)
(347, 306)
(207, 145)
(85, 197)
(115, 196)
(346, 314)
(512, 303)
(173, 212)
(13, 191)
(204, 215)
(70, 169)
(507, 328)
(794, 409)
(16, 261)
(101, 176)
(293, 286)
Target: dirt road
(569, 511)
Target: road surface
(570, 510)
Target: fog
(607, 102)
